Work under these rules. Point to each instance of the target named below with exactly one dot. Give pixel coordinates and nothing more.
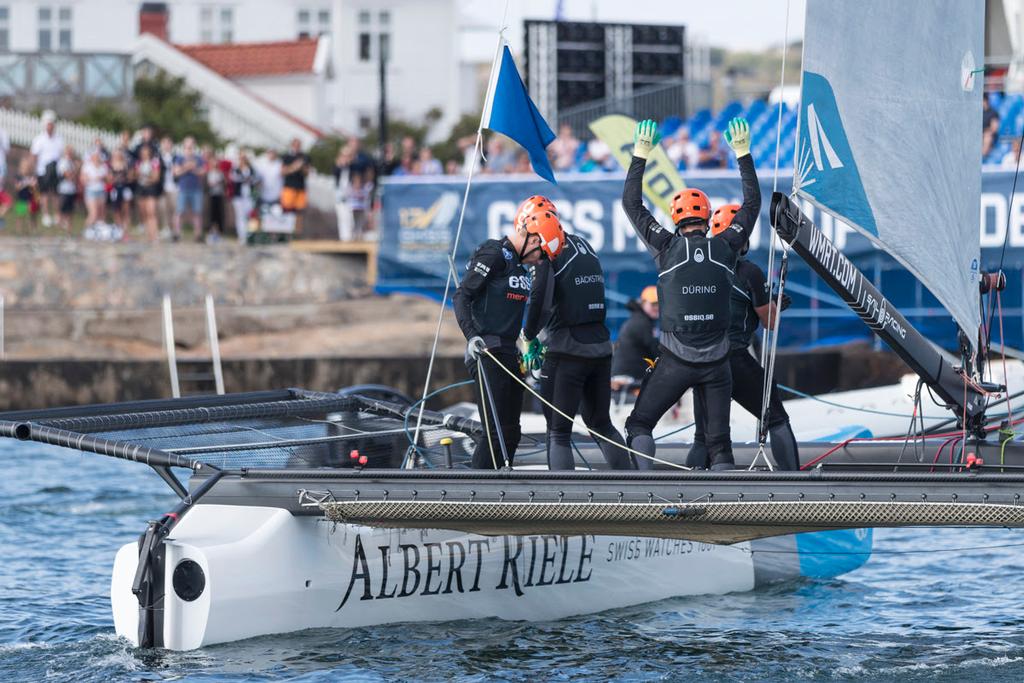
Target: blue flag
(511, 112)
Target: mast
(947, 382)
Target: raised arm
(647, 228)
(738, 137)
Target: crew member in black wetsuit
(751, 303)
(637, 343)
(567, 301)
(489, 305)
(695, 276)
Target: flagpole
(477, 151)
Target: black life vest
(579, 286)
(694, 286)
(500, 310)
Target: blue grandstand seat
(1009, 110)
(755, 109)
(1011, 124)
(997, 154)
(670, 125)
(698, 121)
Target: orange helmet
(650, 294)
(552, 237)
(722, 218)
(690, 203)
(532, 205)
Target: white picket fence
(22, 128)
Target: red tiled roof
(238, 60)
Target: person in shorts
(149, 185)
(46, 149)
(120, 195)
(93, 178)
(189, 170)
(295, 167)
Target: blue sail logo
(820, 146)
(826, 169)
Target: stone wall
(50, 383)
(66, 274)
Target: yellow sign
(661, 179)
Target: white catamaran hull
(265, 571)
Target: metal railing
(54, 78)
(216, 373)
(676, 98)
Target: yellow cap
(446, 441)
(650, 294)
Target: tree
(106, 116)
(449, 148)
(167, 104)
(162, 101)
(323, 153)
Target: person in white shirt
(46, 149)
(683, 151)
(167, 201)
(342, 192)
(271, 178)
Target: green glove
(645, 137)
(738, 137)
(533, 357)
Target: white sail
(890, 133)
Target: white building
(425, 69)
(439, 50)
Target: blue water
(953, 616)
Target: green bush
(162, 101)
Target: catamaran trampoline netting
(281, 429)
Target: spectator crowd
(155, 187)
(162, 189)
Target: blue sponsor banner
(420, 218)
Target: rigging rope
(411, 408)
(1002, 351)
(572, 419)
(477, 152)
(795, 392)
(1006, 229)
(769, 339)
(448, 281)
(945, 435)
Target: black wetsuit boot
(572, 383)
(747, 381)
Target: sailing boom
(875, 310)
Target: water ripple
(946, 616)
